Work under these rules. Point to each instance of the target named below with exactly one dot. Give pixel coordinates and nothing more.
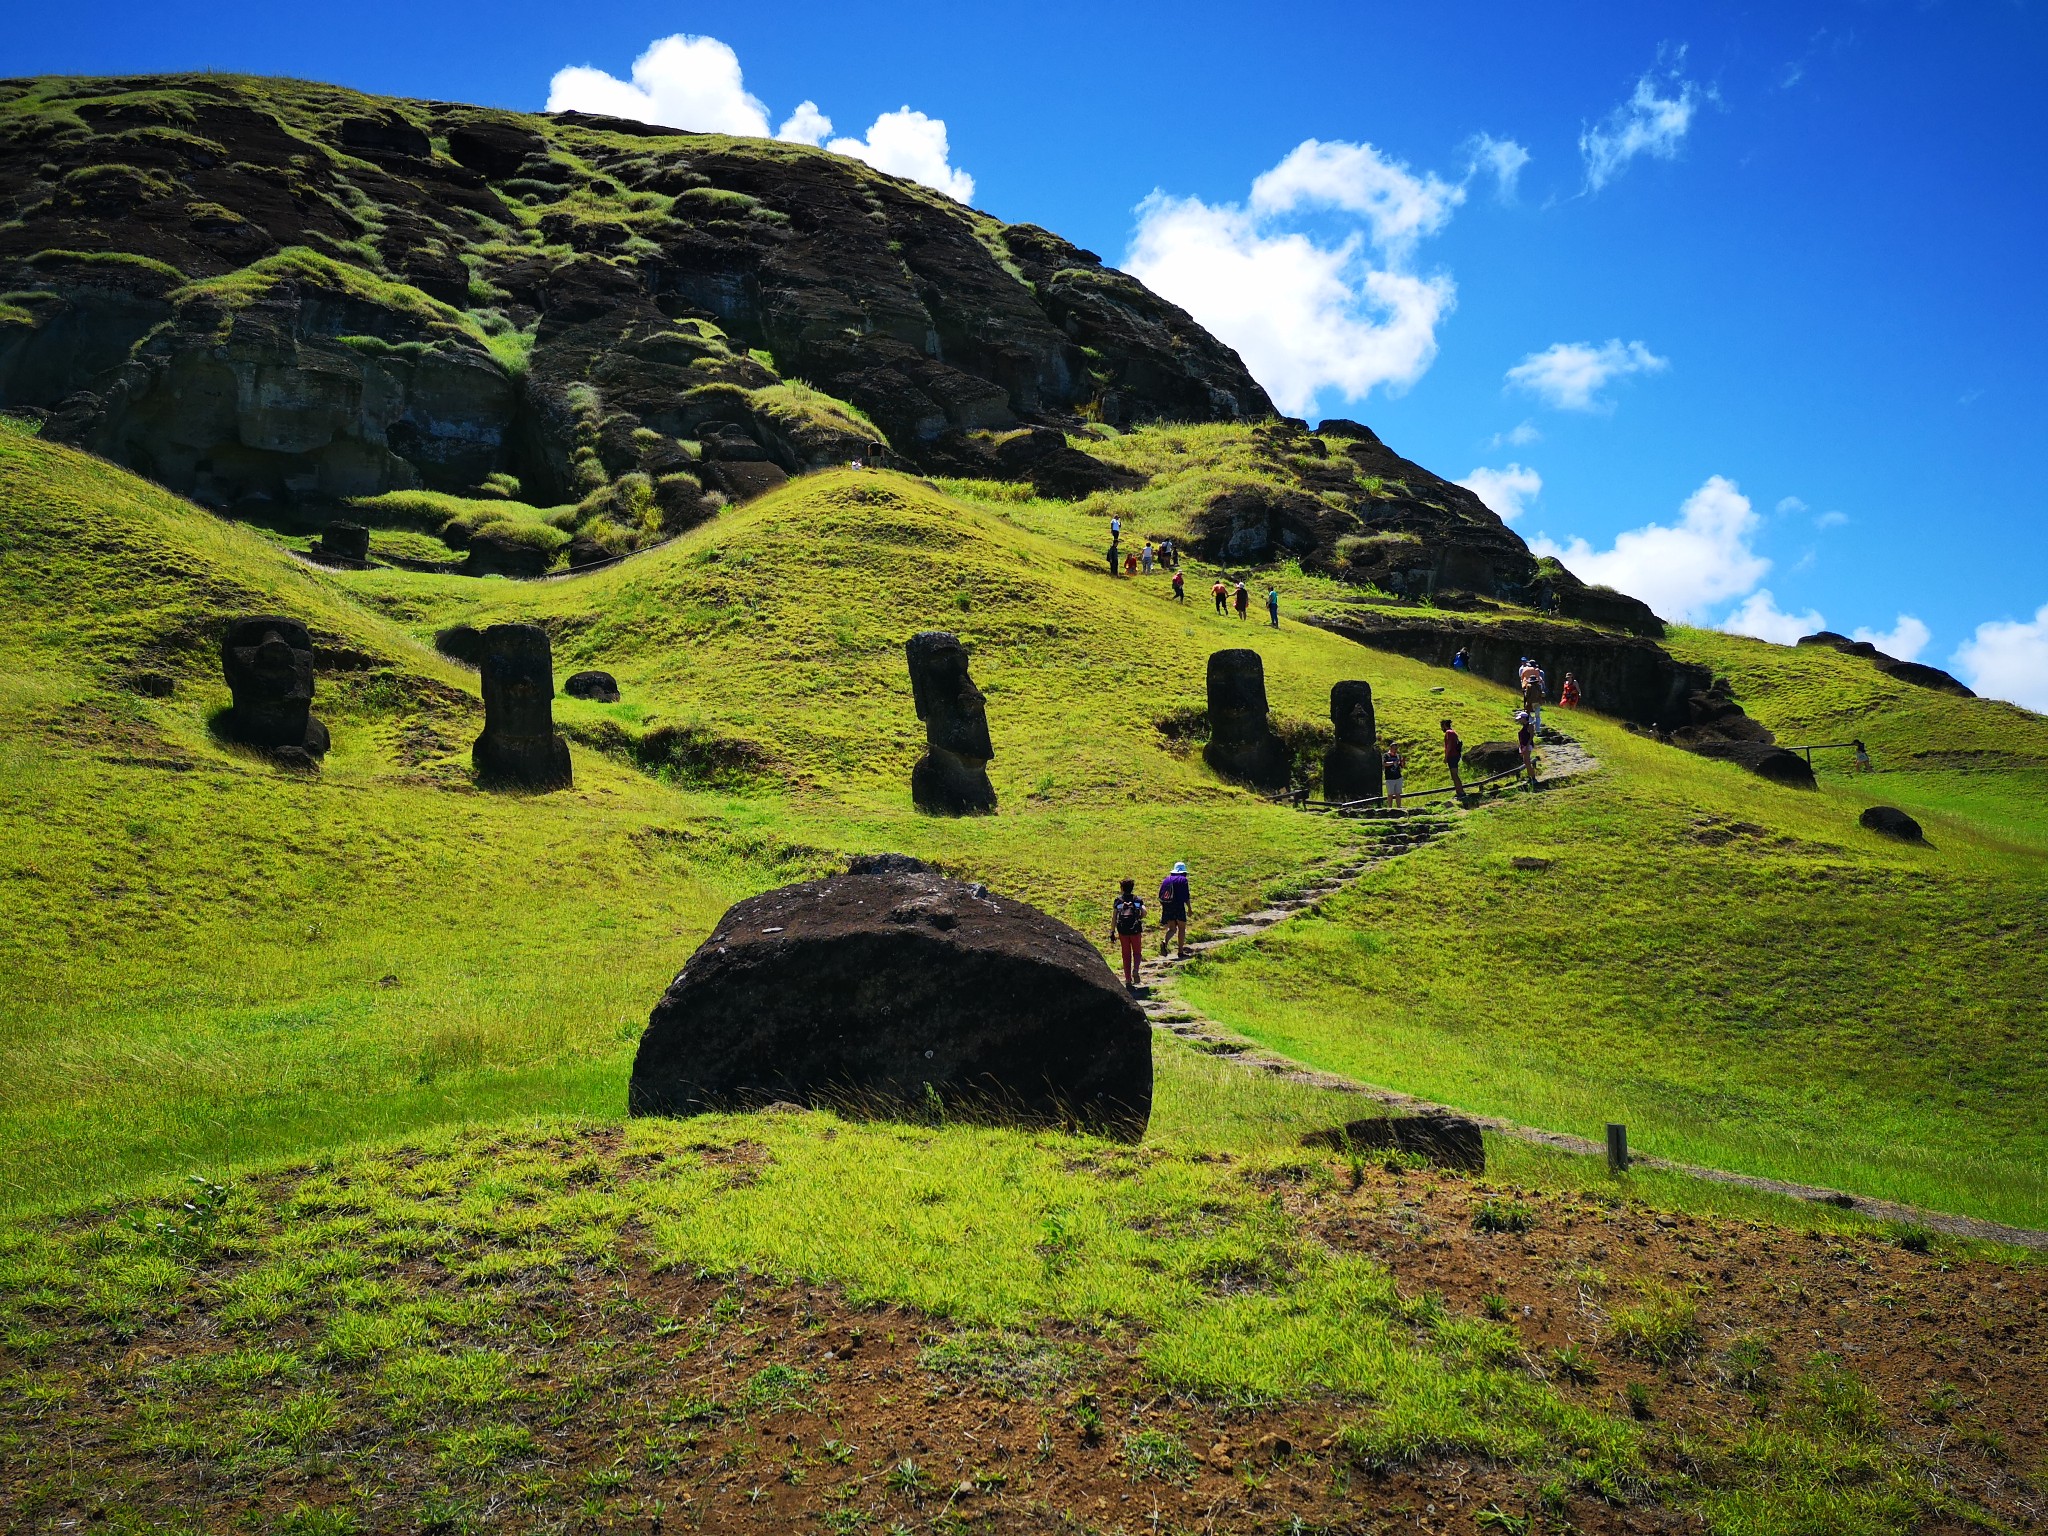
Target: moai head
(1351, 713)
(518, 681)
(269, 665)
(954, 713)
(1237, 696)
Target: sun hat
(1180, 869)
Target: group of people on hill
(1227, 595)
(1165, 556)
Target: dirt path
(1387, 835)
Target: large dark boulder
(1762, 759)
(898, 991)
(601, 687)
(1892, 822)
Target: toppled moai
(1351, 768)
(519, 748)
(1242, 745)
(892, 990)
(951, 779)
(344, 541)
(269, 665)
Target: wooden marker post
(1617, 1148)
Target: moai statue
(1242, 745)
(345, 541)
(951, 779)
(269, 665)
(519, 748)
(1351, 768)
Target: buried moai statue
(1351, 768)
(269, 665)
(951, 779)
(519, 748)
(1242, 745)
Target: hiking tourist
(1273, 605)
(1862, 757)
(1454, 754)
(1174, 902)
(1461, 662)
(1221, 592)
(1169, 554)
(1146, 557)
(1525, 743)
(1111, 553)
(1127, 922)
(1568, 695)
(1180, 588)
(1116, 527)
(1391, 763)
(1244, 598)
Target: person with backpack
(1180, 587)
(1461, 661)
(1244, 598)
(1273, 605)
(1174, 904)
(1525, 743)
(1392, 762)
(1127, 925)
(1112, 553)
(1221, 592)
(1146, 557)
(1568, 695)
(1454, 754)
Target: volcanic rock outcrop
(1449, 1141)
(1242, 743)
(1352, 766)
(1915, 672)
(344, 541)
(268, 661)
(951, 779)
(898, 991)
(519, 748)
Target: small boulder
(344, 541)
(898, 992)
(1449, 1141)
(1892, 822)
(599, 686)
(1773, 763)
(1491, 757)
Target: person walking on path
(1244, 599)
(1127, 924)
(1391, 764)
(1174, 905)
(1180, 588)
(1146, 557)
(1221, 592)
(1862, 757)
(1525, 743)
(1273, 605)
(1169, 554)
(1454, 754)
(1568, 695)
(1111, 552)
(1116, 528)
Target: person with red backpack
(1127, 925)
(1174, 902)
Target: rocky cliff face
(272, 296)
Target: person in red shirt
(1454, 754)
(1180, 589)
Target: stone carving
(1351, 768)
(894, 991)
(344, 541)
(1242, 745)
(269, 665)
(519, 748)
(600, 686)
(952, 777)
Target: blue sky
(1756, 329)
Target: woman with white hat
(1173, 911)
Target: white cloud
(1760, 618)
(1517, 437)
(1684, 571)
(1787, 505)
(1831, 520)
(1308, 313)
(806, 125)
(910, 144)
(1645, 124)
(1906, 639)
(2008, 659)
(1507, 492)
(679, 82)
(1503, 158)
(695, 84)
(1569, 375)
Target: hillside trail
(1391, 834)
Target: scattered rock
(344, 541)
(1352, 767)
(1525, 861)
(1892, 822)
(519, 748)
(152, 685)
(1446, 1140)
(1491, 757)
(268, 661)
(507, 549)
(600, 686)
(886, 864)
(1271, 1447)
(1773, 763)
(1242, 744)
(899, 992)
(951, 779)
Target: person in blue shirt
(1273, 605)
